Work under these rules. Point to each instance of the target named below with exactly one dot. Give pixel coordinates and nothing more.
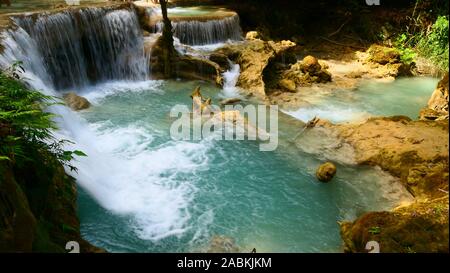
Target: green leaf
(79, 153)
(4, 158)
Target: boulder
(76, 102)
(307, 72)
(253, 35)
(310, 65)
(326, 172)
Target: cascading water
(206, 32)
(85, 47)
(230, 80)
(157, 194)
(124, 175)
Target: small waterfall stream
(79, 48)
(208, 32)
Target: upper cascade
(203, 32)
(76, 48)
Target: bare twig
(341, 44)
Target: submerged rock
(222, 244)
(76, 102)
(326, 172)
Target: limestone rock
(418, 228)
(326, 172)
(183, 66)
(438, 103)
(402, 146)
(76, 102)
(310, 65)
(307, 72)
(189, 67)
(288, 85)
(253, 35)
(254, 57)
(383, 55)
(221, 59)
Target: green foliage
(407, 54)
(24, 128)
(431, 43)
(434, 43)
(374, 230)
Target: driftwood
(309, 124)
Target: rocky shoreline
(415, 151)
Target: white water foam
(98, 92)
(123, 172)
(230, 80)
(330, 112)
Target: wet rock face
(438, 104)
(76, 102)
(183, 66)
(326, 172)
(255, 58)
(220, 59)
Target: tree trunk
(167, 37)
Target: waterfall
(230, 80)
(74, 49)
(206, 32)
(80, 48)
